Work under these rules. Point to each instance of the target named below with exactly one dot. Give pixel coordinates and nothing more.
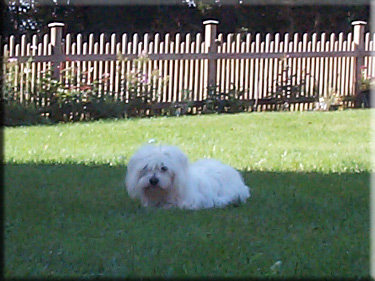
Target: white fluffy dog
(162, 176)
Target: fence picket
(320, 48)
(350, 76)
(300, 76)
(275, 63)
(261, 72)
(101, 65)
(74, 66)
(22, 69)
(247, 65)
(40, 74)
(242, 72)
(176, 67)
(237, 77)
(90, 64)
(13, 69)
(330, 47)
(197, 67)
(256, 69)
(85, 63)
(188, 77)
(221, 64)
(295, 61)
(313, 68)
(203, 75)
(33, 76)
(78, 63)
(107, 75)
(368, 59)
(305, 64)
(334, 47)
(95, 76)
(340, 65)
(252, 77)
(112, 66)
(124, 40)
(271, 68)
(265, 72)
(180, 88)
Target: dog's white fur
(162, 176)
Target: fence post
(56, 29)
(359, 45)
(210, 34)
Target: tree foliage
(33, 16)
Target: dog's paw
(167, 206)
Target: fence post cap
(56, 24)
(359, 22)
(210, 22)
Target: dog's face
(154, 174)
(155, 179)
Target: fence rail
(202, 56)
(317, 66)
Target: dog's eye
(164, 169)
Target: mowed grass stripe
(77, 221)
(308, 141)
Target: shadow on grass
(76, 220)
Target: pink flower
(106, 75)
(144, 79)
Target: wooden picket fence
(255, 68)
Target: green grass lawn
(67, 213)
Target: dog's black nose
(154, 181)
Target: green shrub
(287, 88)
(16, 114)
(230, 102)
(105, 107)
(143, 90)
(76, 98)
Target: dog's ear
(130, 179)
(180, 164)
(132, 174)
(177, 155)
